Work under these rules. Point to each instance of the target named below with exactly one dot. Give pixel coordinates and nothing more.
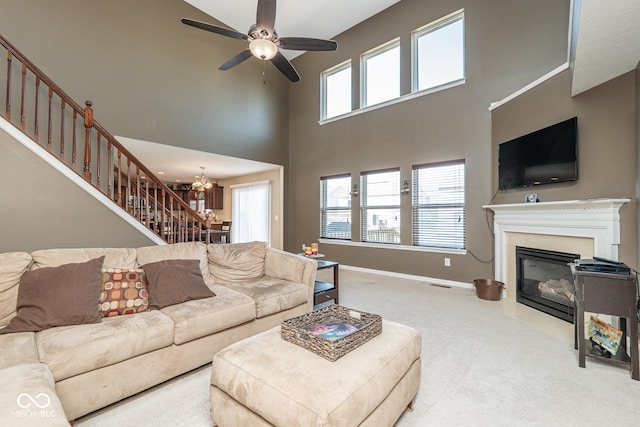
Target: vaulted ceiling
(605, 43)
(321, 19)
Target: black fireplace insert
(545, 282)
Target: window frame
(415, 207)
(324, 88)
(245, 222)
(324, 209)
(371, 53)
(364, 207)
(429, 28)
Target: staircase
(69, 133)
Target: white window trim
(391, 44)
(398, 100)
(414, 204)
(393, 246)
(234, 222)
(364, 206)
(430, 27)
(323, 87)
(323, 211)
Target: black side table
(324, 291)
(612, 294)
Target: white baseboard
(435, 281)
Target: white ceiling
(175, 164)
(607, 45)
(608, 42)
(321, 19)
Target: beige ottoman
(267, 381)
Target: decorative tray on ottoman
(332, 331)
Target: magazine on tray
(331, 330)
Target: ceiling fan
(264, 42)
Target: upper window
(438, 205)
(335, 207)
(335, 86)
(380, 74)
(438, 52)
(380, 206)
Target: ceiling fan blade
(266, 15)
(303, 43)
(215, 29)
(285, 67)
(242, 56)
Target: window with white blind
(335, 87)
(251, 212)
(380, 74)
(438, 204)
(380, 206)
(438, 52)
(335, 207)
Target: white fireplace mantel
(598, 219)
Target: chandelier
(201, 183)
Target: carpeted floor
(484, 363)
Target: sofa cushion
(113, 257)
(174, 281)
(12, 266)
(28, 397)
(197, 318)
(187, 250)
(272, 295)
(123, 291)
(237, 262)
(73, 350)
(18, 349)
(284, 267)
(57, 296)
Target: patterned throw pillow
(123, 291)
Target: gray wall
(41, 209)
(153, 78)
(607, 160)
(150, 77)
(509, 44)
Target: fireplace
(588, 227)
(544, 281)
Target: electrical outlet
(447, 262)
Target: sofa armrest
(288, 266)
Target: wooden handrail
(175, 213)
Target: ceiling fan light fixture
(263, 49)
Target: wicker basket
(368, 326)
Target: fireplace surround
(584, 227)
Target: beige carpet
(485, 363)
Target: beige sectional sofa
(84, 367)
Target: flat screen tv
(545, 156)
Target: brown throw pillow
(123, 291)
(174, 281)
(57, 296)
